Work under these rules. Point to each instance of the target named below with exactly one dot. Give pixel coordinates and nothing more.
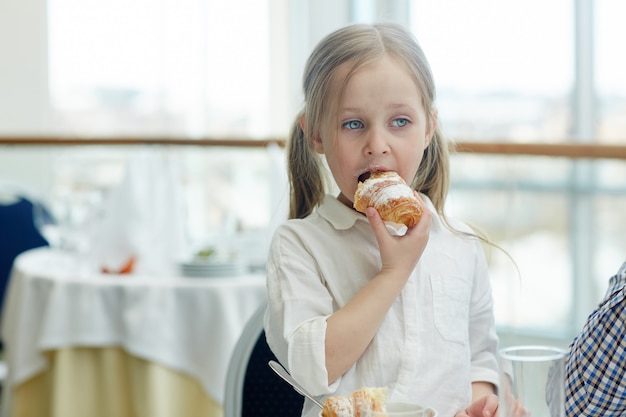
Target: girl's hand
(486, 406)
(400, 254)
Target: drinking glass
(68, 220)
(532, 381)
(47, 224)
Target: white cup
(532, 381)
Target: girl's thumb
(375, 220)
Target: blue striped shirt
(595, 374)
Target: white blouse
(437, 338)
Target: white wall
(24, 98)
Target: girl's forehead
(346, 71)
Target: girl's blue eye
(400, 122)
(353, 124)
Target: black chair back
(264, 392)
(17, 234)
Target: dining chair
(17, 234)
(252, 388)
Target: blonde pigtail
(307, 187)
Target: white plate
(211, 269)
(405, 410)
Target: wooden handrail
(96, 140)
(564, 150)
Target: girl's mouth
(364, 176)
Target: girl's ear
(318, 145)
(302, 122)
(432, 126)
(316, 140)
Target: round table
(104, 345)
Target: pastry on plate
(366, 398)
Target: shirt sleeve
(482, 328)
(596, 371)
(298, 306)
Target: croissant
(365, 398)
(373, 399)
(387, 192)
(338, 407)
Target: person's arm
(351, 328)
(595, 366)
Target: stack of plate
(211, 269)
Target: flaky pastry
(366, 398)
(387, 192)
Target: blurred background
(222, 71)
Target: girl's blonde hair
(352, 47)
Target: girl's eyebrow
(391, 106)
(400, 106)
(350, 109)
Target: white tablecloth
(188, 324)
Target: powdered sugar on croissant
(391, 196)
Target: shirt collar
(617, 281)
(338, 214)
(343, 217)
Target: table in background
(119, 345)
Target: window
(135, 67)
(610, 70)
(503, 70)
(506, 72)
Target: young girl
(350, 305)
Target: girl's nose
(377, 143)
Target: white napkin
(396, 229)
(144, 216)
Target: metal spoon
(281, 372)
